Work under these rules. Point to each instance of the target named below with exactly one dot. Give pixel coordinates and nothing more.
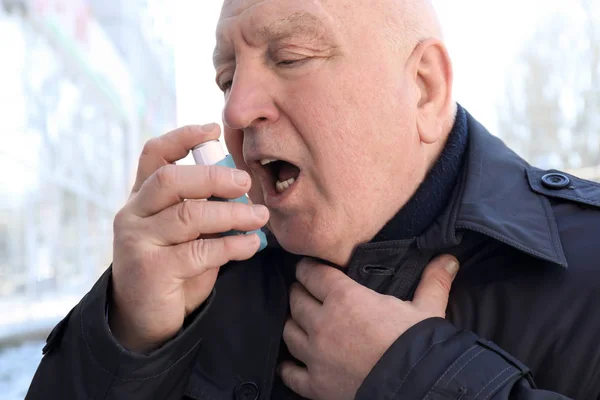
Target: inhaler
(212, 153)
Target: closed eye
(289, 63)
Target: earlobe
(432, 71)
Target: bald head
(407, 22)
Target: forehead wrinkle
(299, 23)
(296, 24)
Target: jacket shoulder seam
(534, 176)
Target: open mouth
(284, 173)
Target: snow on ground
(17, 367)
(22, 321)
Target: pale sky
(483, 37)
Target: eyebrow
(297, 24)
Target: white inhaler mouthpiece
(212, 153)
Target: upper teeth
(266, 161)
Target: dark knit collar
(434, 192)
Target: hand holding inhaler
(169, 242)
(211, 153)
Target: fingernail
(209, 127)
(452, 267)
(259, 211)
(240, 177)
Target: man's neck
(433, 193)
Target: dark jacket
(523, 320)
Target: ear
(431, 68)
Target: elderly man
(389, 183)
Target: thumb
(434, 289)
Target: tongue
(287, 171)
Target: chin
(304, 239)
(295, 243)
(295, 236)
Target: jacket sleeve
(434, 360)
(82, 360)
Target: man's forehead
(272, 19)
(259, 13)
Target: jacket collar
(494, 198)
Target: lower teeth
(282, 186)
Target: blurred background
(84, 83)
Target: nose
(249, 100)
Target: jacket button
(555, 181)
(246, 391)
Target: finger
(171, 147)
(198, 288)
(434, 289)
(296, 378)
(172, 184)
(189, 219)
(198, 256)
(296, 341)
(319, 279)
(304, 308)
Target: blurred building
(83, 84)
(589, 173)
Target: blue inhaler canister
(212, 153)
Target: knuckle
(212, 174)
(150, 147)
(186, 212)
(125, 235)
(290, 379)
(442, 282)
(120, 221)
(190, 130)
(295, 304)
(199, 249)
(166, 176)
(306, 275)
(287, 333)
(341, 296)
(186, 130)
(127, 239)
